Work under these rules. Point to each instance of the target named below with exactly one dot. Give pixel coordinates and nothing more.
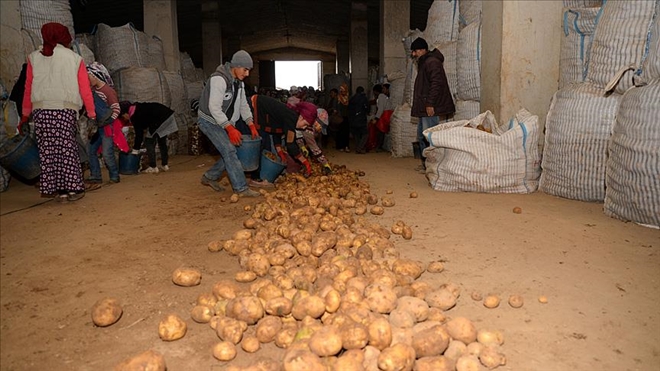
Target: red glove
(280, 152)
(308, 167)
(235, 136)
(253, 130)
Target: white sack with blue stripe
(577, 130)
(442, 22)
(467, 109)
(448, 50)
(651, 65)
(582, 3)
(121, 47)
(579, 27)
(402, 132)
(619, 43)
(468, 11)
(468, 62)
(633, 165)
(466, 159)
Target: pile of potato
(327, 284)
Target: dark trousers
(360, 134)
(150, 143)
(343, 135)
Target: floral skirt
(56, 131)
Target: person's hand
(304, 151)
(430, 111)
(234, 135)
(327, 169)
(282, 155)
(135, 151)
(253, 130)
(307, 171)
(92, 128)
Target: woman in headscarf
(56, 87)
(344, 133)
(307, 138)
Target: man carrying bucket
(221, 105)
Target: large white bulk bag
(142, 84)
(155, 52)
(651, 66)
(582, 3)
(402, 132)
(579, 27)
(83, 51)
(36, 13)
(462, 158)
(448, 50)
(121, 47)
(633, 165)
(577, 131)
(469, 11)
(619, 43)
(468, 62)
(442, 22)
(467, 109)
(180, 103)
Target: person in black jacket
(159, 122)
(358, 109)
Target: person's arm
(27, 93)
(111, 99)
(437, 79)
(86, 91)
(218, 88)
(246, 112)
(380, 105)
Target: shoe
(212, 183)
(92, 186)
(249, 193)
(263, 183)
(61, 198)
(165, 168)
(151, 170)
(75, 196)
(347, 150)
(115, 181)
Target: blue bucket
(248, 153)
(21, 155)
(129, 164)
(270, 169)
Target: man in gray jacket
(221, 105)
(432, 100)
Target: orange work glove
(235, 136)
(253, 130)
(281, 153)
(308, 167)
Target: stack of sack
(582, 115)
(468, 59)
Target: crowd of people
(58, 86)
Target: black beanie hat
(418, 44)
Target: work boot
(211, 183)
(249, 193)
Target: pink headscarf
(306, 110)
(54, 33)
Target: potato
(187, 277)
(150, 360)
(267, 328)
(312, 306)
(491, 358)
(106, 311)
(215, 246)
(250, 223)
(354, 335)
(516, 301)
(201, 314)
(408, 267)
(377, 210)
(234, 198)
(491, 301)
(323, 241)
(171, 328)
(285, 336)
(371, 355)
(435, 363)
(380, 298)
(326, 342)
(245, 276)
(430, 342)
(242, 234)
(250, 344)
(380, 333)
(258, 263)
(435, 267)
(517, 210)
(441, 298)
(245, 308)
(372, 199)
(302, 360)
(387, 202)
(406, 232)
(543, 299)
(437, 315)
(468, 363)
(415, 306)
(413, 194)
(402, 318)
(462, 329)
(488, 337)
(455, 350)
(475, 348)
(476, 296)
(350, 360)
(397, 357)
(224, 351)
(279, 306)
(229, 329)
(332, 301)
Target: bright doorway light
(297, 73)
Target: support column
(160, 19)
(12, 55)
(394, 24)
(343, 61)
(359, 46)
(211, 37)
(519, 71)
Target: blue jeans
(228, 159)
(108, 151)
(425, 123)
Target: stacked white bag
(633, 166)
(468, 93)
(579, 27)
(36, 13)
(581, 116)
(462, 158)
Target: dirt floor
(601, 276)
